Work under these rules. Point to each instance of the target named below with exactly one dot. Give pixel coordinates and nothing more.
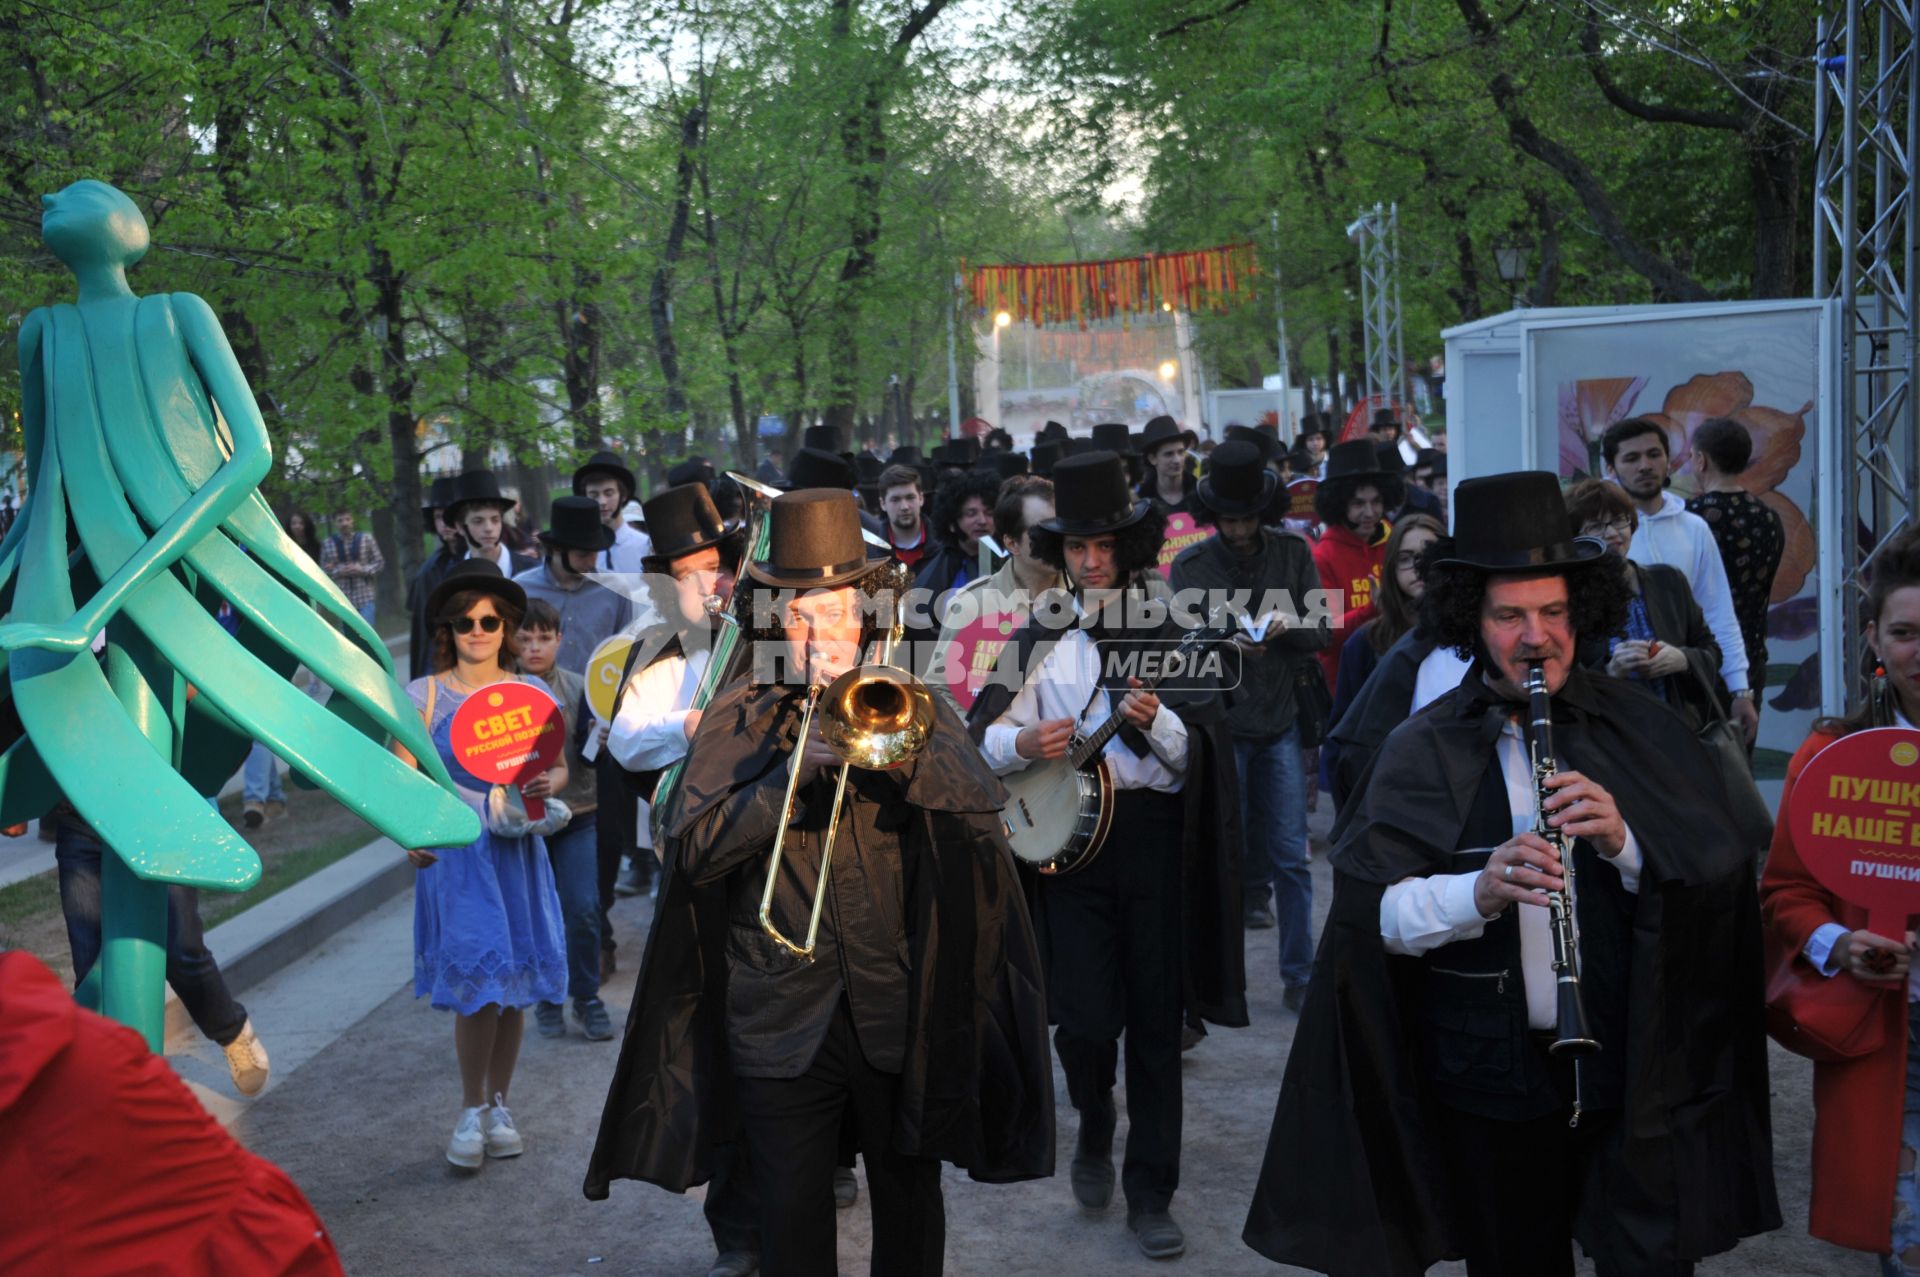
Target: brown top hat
(1091, 496)
(814, 541)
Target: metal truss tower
(1377, 232)
(1863, 257)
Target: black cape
(977, 1089)
(1215, 970)
(1350, 1184)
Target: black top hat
(868, 466)
(1046, 455)
(825, 438)
(1384, 417)
(907, 454)
(1091, 496)
(1112, 436)
(1052, 432)
(962, 452)
(1432, 457)
(692, 470)
(575, 524)
(1237, 482)
(477, 487)
(439, 496)
(1267, 442)
(1164, 430)
(816, 468)
(1077, 447)
(483, 575)
(1388, 455)
(814, 541)
(1515, 522)
(681, 521)
(1003, 464)
(604, 463)
(1354, 459)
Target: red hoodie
(1350, 567)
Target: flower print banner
(1761, 366)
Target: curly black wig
(1330, 499)
(953, 496)
(1136, 547)
(1597, 595)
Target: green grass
(28, 898)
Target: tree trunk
(660, 295)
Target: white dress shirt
(501, 559)
(1678, 538)
(1438, 674)
(650, 731)
(1418, 914)
(630, 546)
(1067, 685)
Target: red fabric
(1352, 567)
(910, 555)
(1857, 1104)
(108, 1163)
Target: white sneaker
(502, 1139)
(247, 1061)
(467, 1145)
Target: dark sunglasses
(465, 624)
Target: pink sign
(1183, 530)
(1855, 817)
(976, 646)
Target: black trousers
(792, 1128)
(1114, 965)
(616, 834)
(732, 1208)
(1515, 1186)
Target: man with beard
(918, 1010)
(1275, 569)
(1423, 1115)
(1151, 925)
(1637, 457)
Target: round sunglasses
(465, 624)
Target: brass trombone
(875, 716)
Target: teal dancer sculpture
(144, 451)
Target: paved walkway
(364, 1093)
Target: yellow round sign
(603, 674)
(1904, 754)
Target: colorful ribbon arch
(1084, 292)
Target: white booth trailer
(1535, 389)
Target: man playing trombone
(1492, 1063)
(906, 987)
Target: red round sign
(976, 646)
(508, 733)
(1855, 817)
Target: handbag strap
(1716, 714)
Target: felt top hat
(907, 454)
(868, 466)
(1112, 436)
(1237, 482)
(1078, 447)
(825, 438)
(1354, 459)
(1046, 454)
(1434, 458)
(477, 487)
(575, 524)
(1164, 430)
(1091, 496)
(962, 452)
(1052, 432)
(1384, 418)
(1268, 443)
(692, 470)
(818, 468)
(1005, 465)
(1391, 462)
(483, 575)
(439, 496)
(814, 541)
(681, 521)
(1515, 522)
(603, 463)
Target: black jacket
(1350, 1184)
(1697, 694)
(1262, 705)
(431, 573)
(977, 1083)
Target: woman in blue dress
(488, 939)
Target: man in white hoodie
(1638, 458)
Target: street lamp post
(1510, 254)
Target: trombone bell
(876, 717)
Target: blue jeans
(576, 873)
(1273, 814)
(191, 970)
(366, 611)
(260, 777)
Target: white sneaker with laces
(502, 1139)
(247, 1061)
(467, 1146)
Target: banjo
(1059, 810)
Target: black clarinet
(1572, 1036)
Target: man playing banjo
(1138, 928)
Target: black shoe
(1294, 997)
(1258, 916)
(1092, 1170)
(1158, 1235)
(734, 1263)
(638, 879)
(1191, 1035)
(846, 1189)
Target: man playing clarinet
(1469, 1080)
